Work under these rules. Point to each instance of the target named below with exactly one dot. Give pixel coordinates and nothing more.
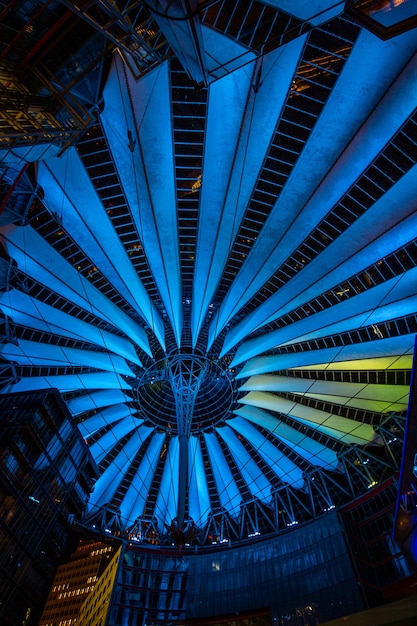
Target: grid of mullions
(189, 108)
(393, 265)
(379, 377)
(100, 166)
(319, 67)
(26, 333)
(355, 414)
(380, 176)
(51, 298)
(392, 328)
(254, 24)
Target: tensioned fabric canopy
(220, 274)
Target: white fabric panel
(302, 204)
(135, 498)
(362, 403)
(309, 449)
(394, 298)
(403, 362)
(72, 382)
(223, 55)
(146, 171)
(167, 501)
(393, 353)
(227, 489)
(106, 443)
(28, 154)
(97, 400)
(339, 261)
(40, 354)
(68, 191)
(282, 466)
(241, 124)
(257, 483)
(103, 418)
(37, 258)
(67, 469)
(35, 314)
(54, 447)
(184, 36)
(377, 305)
(198, 495)
(110, 479)
(341, 428)
(372, 397)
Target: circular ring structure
(161, 385)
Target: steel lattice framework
(208, 247)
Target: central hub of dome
(185, 393)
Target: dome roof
(219, 272)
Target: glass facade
(46, 475)
(82, 586)
(308, 566)
(150, 588)
(307, 570)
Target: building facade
(46, 476)
(81, 590)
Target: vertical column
(186, 375)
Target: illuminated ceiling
(209, 225)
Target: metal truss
(360, 470)
(8, 375)
(255, 25)
(44, 97)
(16, 194)
(60, 119)
(8, 371)
(130, 27)
(7, 330)
(185, 375)
(107, 521)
